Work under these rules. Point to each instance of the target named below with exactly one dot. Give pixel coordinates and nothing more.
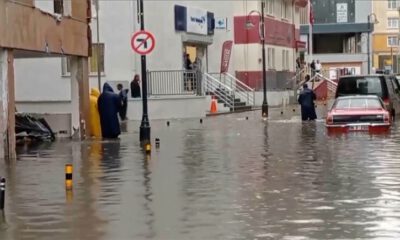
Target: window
(269, 7)
(66, 67)
(62, 7)
(59, 7)
(392, 41)
(271, 58)
(285, 9)
(393, 22)
(285, 60)
(393, 4)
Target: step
(241, 108)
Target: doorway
(194, 57)
(197, 57)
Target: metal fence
(174, 82)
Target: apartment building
(282, 37)
(339, 35)
(386, 35)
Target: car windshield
(360, 86)
(358, 103)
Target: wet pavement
(228, 178)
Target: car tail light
(329, 119)
(386, 118)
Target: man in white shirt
(318, 67)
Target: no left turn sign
(143, 42)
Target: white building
(119, 20)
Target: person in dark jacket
(306, 100)
(123, 94)
(109, 105)
(135, 87)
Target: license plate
(358, 128)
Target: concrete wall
(169, 108)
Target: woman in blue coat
(109, 105)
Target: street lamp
(368, 40)
(145, 124)
(249, 25)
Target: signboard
(196, 21)
(341, 13)
(226, 56)
(143, 42)
(221, 23)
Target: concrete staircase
(238, 104)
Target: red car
(358, 113)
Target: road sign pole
(145, 125)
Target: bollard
(157, 142)
(168, 123)
(68, 176)
(247, 118)
(147, 148)
(201, 120)
(2, 193)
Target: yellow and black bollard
(157, 143)
(147, 148)
(68, 177)
(2, 193)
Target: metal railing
(240, 90)
(174, 82)
(212, 86)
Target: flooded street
(228, 178)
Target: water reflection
(228, 178)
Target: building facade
(340, 35)
(386, 35)
(282, 35)
(197, 28)
(27, 32)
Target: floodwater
(228, 178)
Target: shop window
(66, 66)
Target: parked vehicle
(358, 113)
(384, 86)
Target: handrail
(212, 84)
(240, 90)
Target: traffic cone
(213, 108)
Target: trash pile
(29, 128)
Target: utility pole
(264, 108)
(98, 46)
(145, 125)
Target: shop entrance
(194, 59)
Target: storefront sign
(341, 13)
(221, 23)
(197, 21)
(226, 56)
